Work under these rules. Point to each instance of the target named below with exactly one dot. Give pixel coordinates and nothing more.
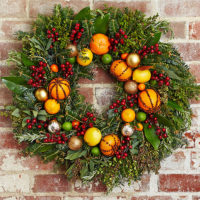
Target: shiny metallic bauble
(73, 50)
(130, 87)
(75, 143)
(41, 94)
(133, 60)
(54, 126)
(127, 130)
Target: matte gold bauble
(41, 94)
(127, 130)
(75, 143)
(133, 60)
(54, 126)
(73, 50)
(130, 87)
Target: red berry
(51, 46)
(160, 137)
(160, 83)
(125, 154)
(48, 32)
(77, 24)
(29, 126)
(131, 104)
(28, 121)
(156, 45)
(115, 110)
(124, 107)
(94, 119)
(49, 36)
(130, 147)
(39, 126)
(117, 35)
(167, 83)
(167, 78)
(53, 29)
(123, 157)
(155, 72)
(149, 126)
(114, 104)
(152, 51)
(82, 30)
(125, 36)
(76, 28)
(118, 156)
(116, 42)
(122, 41)
(165, 135)
(122, 147)
(90, 125)
(123, 103)
(164, 129)
(159, 52)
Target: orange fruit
(52, 106)
(128, 115)
(149, 101)
(75, 123)
(120, 70)
(99, 44)
(109, 144)
(139, 127)
(124, 56)
(141, 86)
(54, 68)
(59, 88)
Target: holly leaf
(16, 84)
(26, 61)
(155, 39)
(150, 134)
(101, 24)
(84, 14)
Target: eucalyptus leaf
(151, 136)
(16, 113)
(72, 155)
(101, 24)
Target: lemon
(85, 57)
(141, 76)
(92, 136)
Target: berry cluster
(160, 78)
(161, 132)
(149, 50)
(76, 34)
(66, 69)
(31, 123)
(87, 123)
(124, 103)
(59, 138)
(38, 75)
(119, 39)
(52, 34)
(123, 149)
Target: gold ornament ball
(133, 60)
(73, 50)
(41, 94)
(54, 126)
(127, 130)
(130, 87)
(75, 143)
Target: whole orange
(139, 127)
(59, 88)
(52, 106)
(54, 68)
(149, 101)
(99, 44)
(109, 144)
(141, 86)
(128, 115)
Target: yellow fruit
(92, 136)
(141, 76)
(84, 57)
(52, 106)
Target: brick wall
(28, 178)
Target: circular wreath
(150, 109)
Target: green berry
(67, 126)
(106, 59)
(71, 60)
(141, 116)
(95, 151)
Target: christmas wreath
(150, 109)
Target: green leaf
(164, 121)
(24, 123)
(174, 105)
(155, 39)
(42, 118)
(72, 155)
(28, 112)
(84, 14)
(91, 165)
(151, 136)
(42, 112)
(84, 170)
(101, 24)
(48, 44)
(35, 113)
(26, 61)
(16, 84)
(15, 113)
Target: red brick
(51, 183)
(175, 161)
(179, 182)
(6, 47)
(42, 198)
(152, 198)
(9, 28)
(100, 76)
(104, 96)
(41, 6)
(193, 139)
(189, 51)
(196, 198)
(179, 8)
(6, 96)
(143, 6)
(195, 70)
(195, 160)
(78, 197)
(13, 8)
(194, 30)
(178, 29)
(87, 93)
(5, 121)
(195, 116)
(5, 70)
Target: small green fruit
(153, 82)
(95, 151)
(106, 59)
(71, 60)
(67, 126)
(141, 116)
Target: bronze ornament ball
(75, 143)
(133, 60)
(54, 126)
(41, 94)
(73, 50)
(130, 87)
(127, 130)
